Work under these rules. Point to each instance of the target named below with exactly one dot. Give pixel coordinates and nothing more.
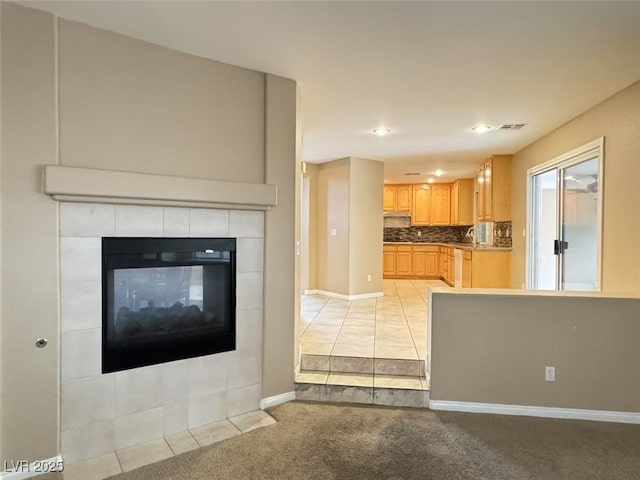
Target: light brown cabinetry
(494, 189)
(404, 261)
(389, 198)
(421, 212)
(441, 204)
(425, 261)
(462, 192)
(397, 198)
(431, 204)
(403, 198)
(388, 261)
(410, 261)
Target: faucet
(473, 233)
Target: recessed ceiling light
(438, 173)
(482, 128)
(430, 180)
(381, 132)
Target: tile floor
(393, 326)
(151, 452)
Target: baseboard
(361, 296)
(527, 411)
(277, 400)
(34, 469)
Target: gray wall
(125, 105)
(493, 348)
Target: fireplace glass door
(166, 299)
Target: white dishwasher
(457, 268)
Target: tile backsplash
(450, 234)
(502, 233)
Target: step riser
(396, 397)
(382, 366)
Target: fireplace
(166, 299)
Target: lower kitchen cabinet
(480, 268)
(490, 269)
(404, 261)
(388, 261)
(425, 261)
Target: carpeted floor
(323, 441)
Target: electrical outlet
(549, 374)
(334, 232)
(369, 278)
(419, 233)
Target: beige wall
(29, 301)
(311, 223)
(281, 295)
(127, 105)
(618, 120)
(134, 106)
(346, 195)
(365, 225)
(494, 348)
(332, 270)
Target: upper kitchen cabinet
(462, 192)
(494, 189)
(421, 212)
(397, 198)
(440, 204)
(431, 204)
(390, 195)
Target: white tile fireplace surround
(102, 413)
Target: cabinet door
(481, 197)
(389, 202)
(431, 264)
(403, 198)
(389, 262)
(452, 267)
(403, 263)
(441, 205)
(420, 263)
(455, 218)
(488, 190)
(420, 214)
(466, 273)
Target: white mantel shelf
(74, 184)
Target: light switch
(334, 232)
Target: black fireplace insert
(166, 299)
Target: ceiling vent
(510, 126)
(412, 173)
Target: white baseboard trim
(361, 296)
(32, 470)
(527, 411)
(277, 400)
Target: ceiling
(429, 71)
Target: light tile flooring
(151, 452)
(393, 326)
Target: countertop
(462, 246)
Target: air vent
(511, 126)
(412, 173)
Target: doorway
(564, 221)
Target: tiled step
(362, 365)
(371, 389)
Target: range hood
(396, 214)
